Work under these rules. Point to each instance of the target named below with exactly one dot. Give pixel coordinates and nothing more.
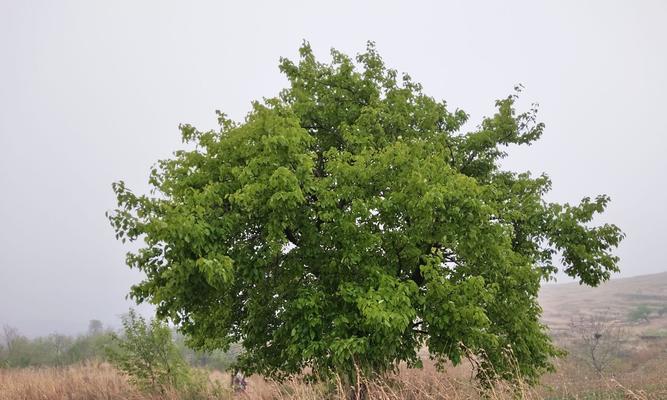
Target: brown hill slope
(614, 299)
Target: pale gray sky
(92, 92)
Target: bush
(147, 353)
(640, 314)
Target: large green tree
(350, 222)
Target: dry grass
(636, 377)
(100, 381)
(83, 382)
(616, 297)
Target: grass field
(640, 372)
(647, 380)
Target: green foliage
(147, 353)
(52, 350)
(212, 360)
(349, 222)
(641, 313)
(17, 350)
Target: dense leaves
(349, 221)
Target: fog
(93, 92)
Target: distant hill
(614, 299)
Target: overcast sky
(92, 92)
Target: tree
(90, 347)
(148, 355)
(95, 327)
(348, 222)
(20, 352)
(599, 338)
(641, 313)
(662, 310)
(59, 345)
(10, 336)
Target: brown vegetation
(618, 297)
(645, 379)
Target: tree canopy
(350, 221)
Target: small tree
(18, 349)
(662, 310)
(147, 354)
(349, 222)
(10, 336)
(95, 327)
(59, 345)
(599, 339)
(641, 313)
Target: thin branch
(291, 237)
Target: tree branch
(291, 237)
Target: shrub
(640, 314)
(147, 353)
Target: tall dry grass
(92, 381)
(572, 382)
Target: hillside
(614, 299)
